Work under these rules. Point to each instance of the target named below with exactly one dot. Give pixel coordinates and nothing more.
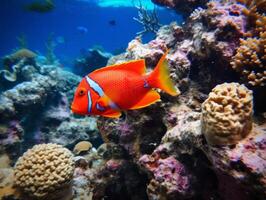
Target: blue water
(63, 23)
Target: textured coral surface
(44, 169)
(227, 114)
(250, 60)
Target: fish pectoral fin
(151, 97)
(137, 66)
(104, 101)
(115, 114)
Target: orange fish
(109, 90)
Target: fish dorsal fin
(151, 97)
(137, 66)
(115, 114)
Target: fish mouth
(75, 110)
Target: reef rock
(244, 164)
(117, 176)
(39, 104)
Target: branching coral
(255, 9)
(250, 60)
(44, 169)
(227, 114)
(149, 20)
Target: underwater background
(198, 132)
(74, 26)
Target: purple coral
(125, 130)
(12, 134)
(168, 172)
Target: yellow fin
(115, 114)
(137, 66)
(104, 101)
(160, 77)
(150, 98)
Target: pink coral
(245, 162)
(113, 164)
(168, 172)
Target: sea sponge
(227, 114)
(250, 60)
(83, 146)
(43, 170)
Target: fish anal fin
(115, 114)
(137, 66)
(151, 97)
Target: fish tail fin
(160, 77)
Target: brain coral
(44, 169)
(226, 114)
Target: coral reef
(117, 176)
(184, 6)
(250, 60)
(36, 110)
(13, 64)
(18, 55)
(245, 163)
(207, 143)
(169, 176)
(227, 114)
(43, 170)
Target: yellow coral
(250, 60)
(255, 13)
(227, 114)
(44, 169)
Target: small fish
(112, 22)
(60, 40)
(112, 89)
(83, 30)
(41, 6)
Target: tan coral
(22, 53)
(82, 146)
(250, 60)
(44, 169)
(227, 114)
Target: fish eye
(81, 92)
